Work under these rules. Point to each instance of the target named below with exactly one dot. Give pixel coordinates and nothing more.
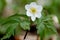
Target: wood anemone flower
(33, 10)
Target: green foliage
(10, 30)
(25, 24)
(45, 27)
(23, 21)
(11, 23)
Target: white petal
(33, 4)
(33, 18)
(38, 15)
(28, 13)
(39, 8)
(27, 7)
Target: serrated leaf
(8, 26)
(17, 17)
(22, 19)
(12, 19)
(25, 24)
(10, 30)
(45, 27)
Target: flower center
(33, 10)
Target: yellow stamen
(33, 10)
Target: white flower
(33, 10)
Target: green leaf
(10, 30)
(15, 17)
(1, 20)
(9, 24)
(40, 30)
(22, 19)
(25, 24)
(45, 27)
